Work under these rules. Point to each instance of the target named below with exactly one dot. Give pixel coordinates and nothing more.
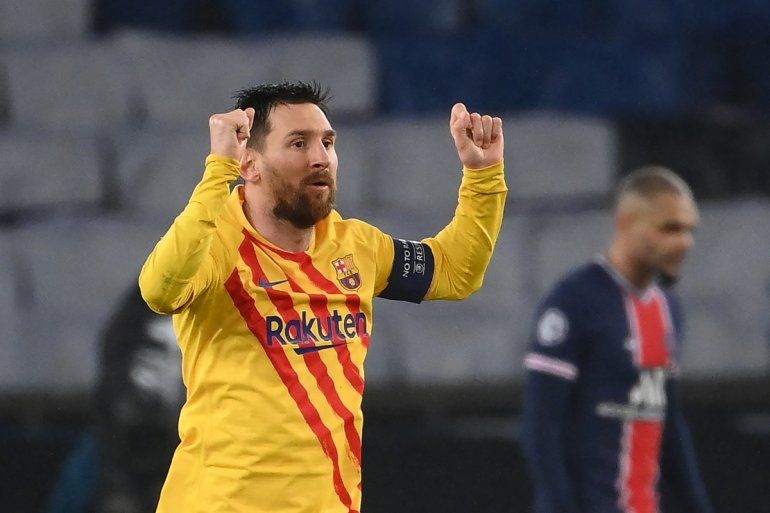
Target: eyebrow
(305, 133)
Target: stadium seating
(247, 18)
(71, 86)
(415, 164)
(180, 82)
(356, 191)
(169, 15)
(539, 15)
(120, 123)
(563, 241)
(12, 351)
(445, 343)
(407, 17)
(157, 171)
(556, 157)
(28, 20)
(413, 66)
(75, 271)
(49, 170)
(726, 290)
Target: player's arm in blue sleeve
(552, 374)
(679, 463)
(680, 466)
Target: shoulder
(578, 294)
(580, 284)
(674, 305)
(672, 298)
(561, 313)
(350, 227)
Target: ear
(250, 165)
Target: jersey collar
(644, 294)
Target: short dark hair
(265, 97)
(650, 181)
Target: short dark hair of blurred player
(601, 408)
(272, 294)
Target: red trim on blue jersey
(639, 469)
(650, 327)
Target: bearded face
(298, 163)
(305, 203)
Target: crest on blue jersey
(347, 272)
(552, 328)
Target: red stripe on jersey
(256, 323)
(639, 471)
(285, 305)
(352, 302)
(651, 319)
(640, 457)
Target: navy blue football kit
(601, 412)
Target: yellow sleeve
(463, 249)
(181, 266)
(383, 248)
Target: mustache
(319, 177)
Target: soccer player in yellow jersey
(271, 291)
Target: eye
(328, 143)
(673, 228)
(299, 143)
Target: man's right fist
(230, 132)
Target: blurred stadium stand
(35, 20)
(48, 171)
(71, 86)
(74, 270)
(103, 131)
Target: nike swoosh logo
(314, 349)
(269, 284)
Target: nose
(319, 156)
(687, 240)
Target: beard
(297, 205)
(667, 279)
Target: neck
(279, 232)
(628, 267)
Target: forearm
(544, 433)
(680, 462)
(463, 249)
(166, 279)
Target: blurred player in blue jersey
(601, 410)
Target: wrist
(229, 164)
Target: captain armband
(412, 271)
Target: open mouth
(319, 182)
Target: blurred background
(103, 131)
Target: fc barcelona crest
(347, 272)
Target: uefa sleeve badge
(552, 328)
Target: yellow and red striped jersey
(274, 342)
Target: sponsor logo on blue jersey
(646, 400)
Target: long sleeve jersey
(601, 408)
(274, 342)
